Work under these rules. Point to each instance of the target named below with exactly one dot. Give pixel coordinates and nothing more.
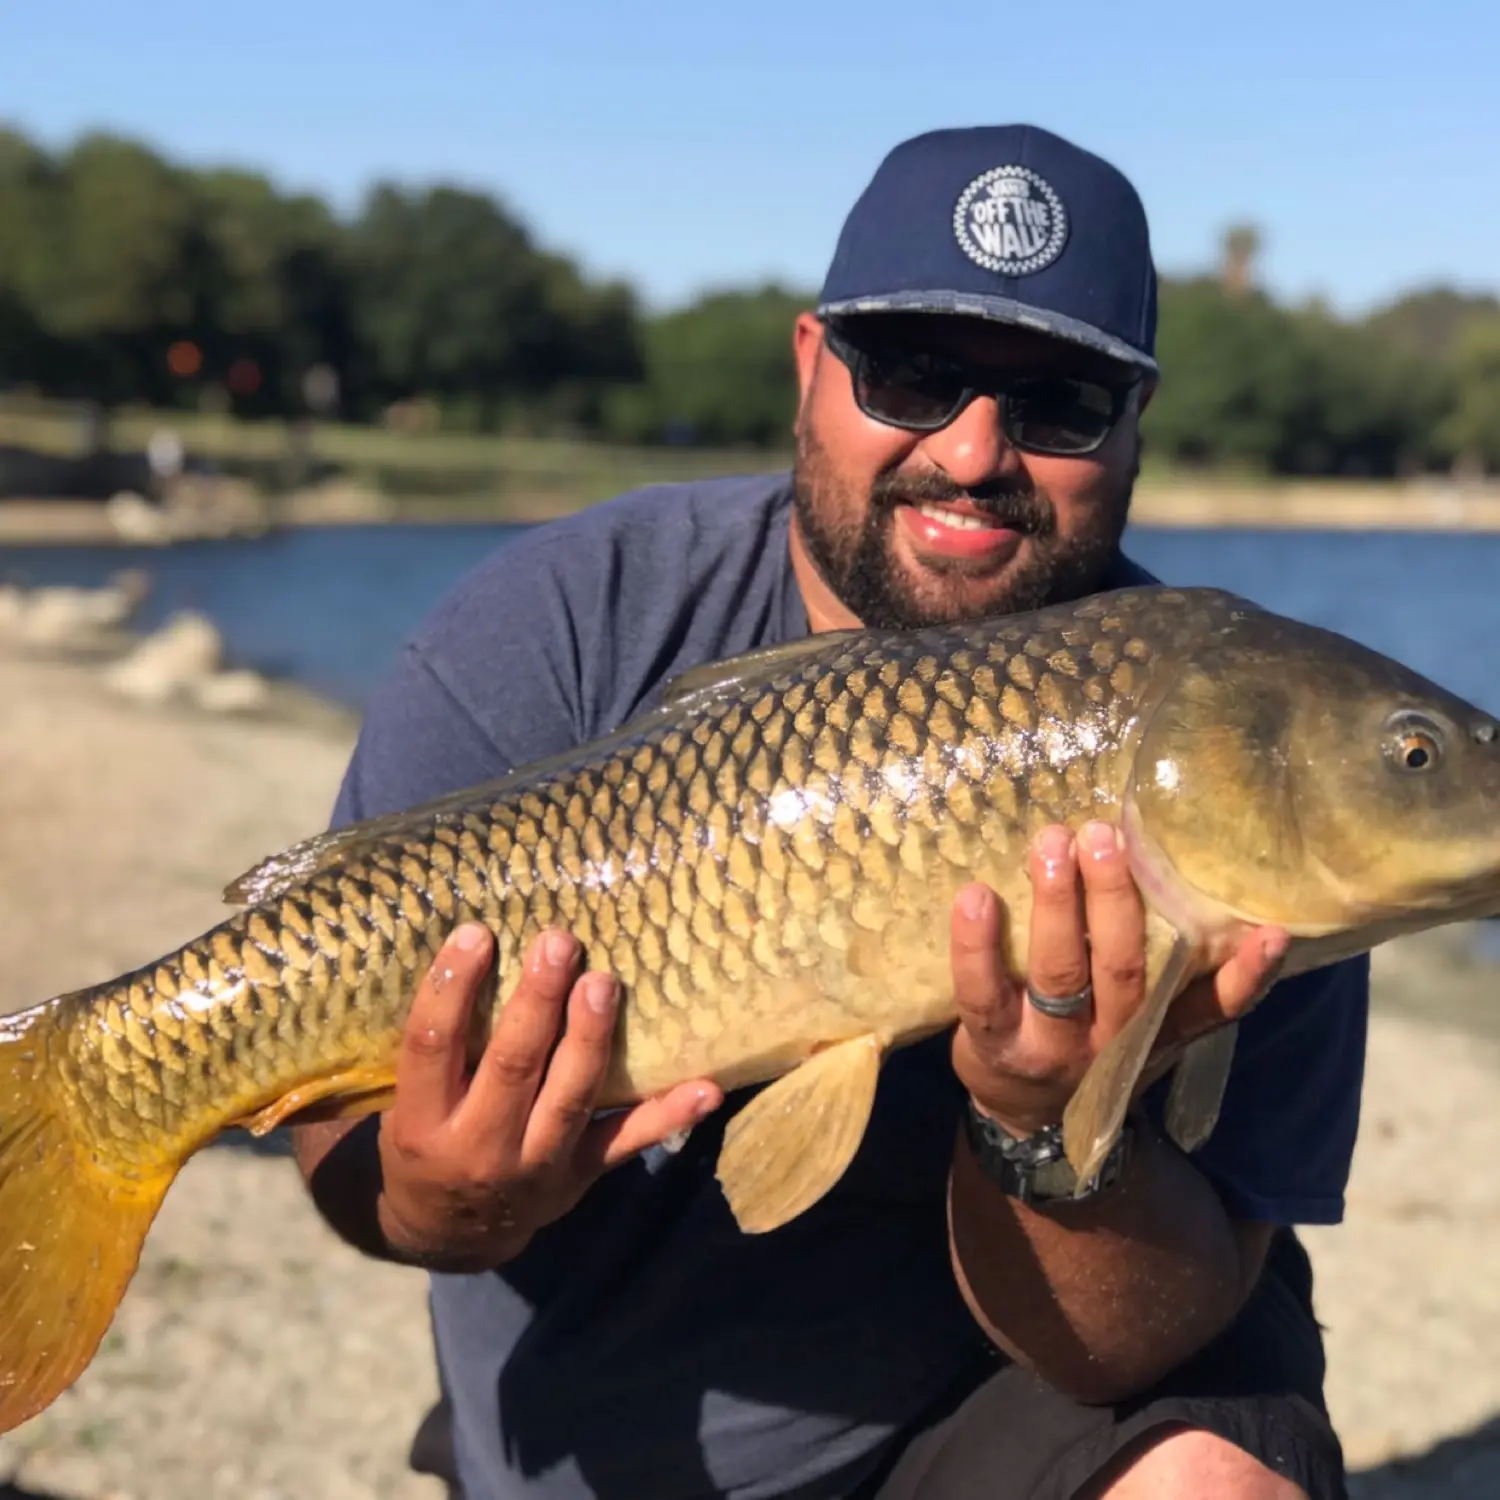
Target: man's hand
(472, 1168)
(1021, 1066)
(1100, 1298)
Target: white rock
(135, 519)
(231, 692)
(185, 651)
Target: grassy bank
(379, 473)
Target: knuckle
(1057, 983)
(1125, 974)
(428, 1041)
(572, 1113)
(408, 1144)
(980, 1003)
(512, 1068)
(477, 1178)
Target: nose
(972, 449)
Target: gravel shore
(257, 1358)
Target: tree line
(128, 278)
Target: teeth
(953, 519)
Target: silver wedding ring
(1062, 1007)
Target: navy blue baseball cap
(1005, 222)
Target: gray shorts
(1258, 1386)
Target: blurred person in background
(948, 1321)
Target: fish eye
(1414, 743)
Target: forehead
(982, 342)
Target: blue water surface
(330, 607)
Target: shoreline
(1425, 505)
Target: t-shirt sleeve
(489, 683)
(1285, 1139)
(417, 742)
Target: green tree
(719, 371)
(1472, 429)
(28, 241)
(1249, 384)
(453, 300)
(127, 235)
(1430, 322)
(274, 287)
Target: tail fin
(70, 1232)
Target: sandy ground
(256, 1358)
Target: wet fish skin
(788, 850)
(767, 862)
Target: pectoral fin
(1198, 1085)
(795, 1139)
(361, 1091)
(1096, 1112)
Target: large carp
(767, 862)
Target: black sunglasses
(1065, 416)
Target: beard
(852, 545)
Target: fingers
(509, 1074)
(1057, 962)
(618, 1137)
(1236, 988)
(577, 1070)
(988, 996)
(1117, 927)
(430, 1064)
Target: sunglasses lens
(1059, 414)
(907, 390)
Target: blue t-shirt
(643, 1346)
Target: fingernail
(1058, 850)
(599, 993)
(469, 937)
(974, 902)
(1100, 840)
(703, 1104)
(557, 949)
(1274, 946)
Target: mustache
(1018, 507)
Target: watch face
(1035, 1169)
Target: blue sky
(687, 145)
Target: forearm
(1103, 1298)
(340, 1163)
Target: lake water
(331, 607)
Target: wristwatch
(1033, 1168)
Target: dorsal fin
(714, 679)
(278, 873)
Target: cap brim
(996, 310)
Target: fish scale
(767, 861)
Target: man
(942, 1324)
